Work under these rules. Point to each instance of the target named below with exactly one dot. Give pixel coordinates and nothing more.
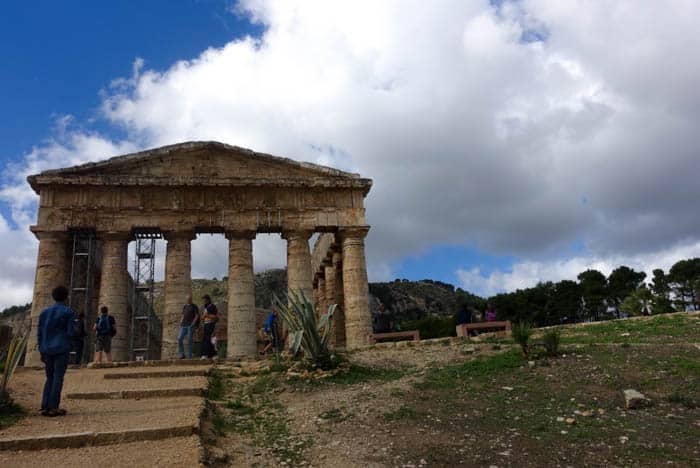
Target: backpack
(78, 328)
(105, 326)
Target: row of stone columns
(344, 282)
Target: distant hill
(392, 303)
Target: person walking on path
(271, 329)
(105, 328)
(54, 337)
(210, 315)
(78, 339)
(190, 321)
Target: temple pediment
(198, 163)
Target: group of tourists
(192, 318)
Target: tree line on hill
(593, 297)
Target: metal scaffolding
(146, 328)
(84, 260)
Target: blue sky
(62, 58)
(509, 142)
(59, 55)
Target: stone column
(358, 319)
(339, 316)
(51, 271)
(114, 289)
(241, 333)
(322, 306)
(329, 290)
(178, 284)
(299, 277)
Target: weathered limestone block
(299, 278)
(358, 321)
(50, 272)
(241, 334)
(114, 289)
(635, 399)
(178, 284)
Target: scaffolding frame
(146, 328)
(82, 272)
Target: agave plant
(306, 333)
(14, 354)
(521, 332)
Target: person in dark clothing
(271, 328)
(190, 321)
(105, 328)
(464, 315)
(78, 339)
(210, 315)
(54, 337)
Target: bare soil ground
(460, 403)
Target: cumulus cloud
(515, 127)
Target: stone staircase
(138, 414)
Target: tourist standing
(105, 328)
(54, 337)
(210, 315)
(190, 320)
(78, 338)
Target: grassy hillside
(453, 402)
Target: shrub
(14, 354)
(551, 341)
(432, 326)
(522, 331)
(305, 333)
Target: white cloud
(473, 136)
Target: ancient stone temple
(176, 192)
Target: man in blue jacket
(54, 335)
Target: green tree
(684, 282)
(638, 303)
(661, 303)
(622, 282)
(565, 304)
(593, 290)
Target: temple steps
(132, 407)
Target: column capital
(240, 234)
(184, 234)
(353, 232)
(43, 234)
(293, 234)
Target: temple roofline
(54, 175)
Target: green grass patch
(10, 414)
(359, 374)
(217, 386)
(684, 400)
(454, 376)
(402, 413)
(335, 415)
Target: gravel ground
(177, 452)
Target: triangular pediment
(197, 160)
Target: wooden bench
(376, 337)
(463, 329)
